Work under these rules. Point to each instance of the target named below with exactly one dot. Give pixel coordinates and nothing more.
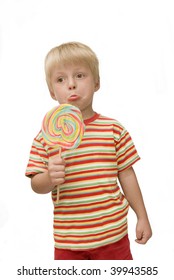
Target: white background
(134, 41)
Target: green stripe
(96, 231)
(92, 216)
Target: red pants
(116, 251)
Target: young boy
(90, 219)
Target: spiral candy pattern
(63, 127)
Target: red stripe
(96, 171)
(34, 166)
(102, 129)
(92, 154)
(124, 141)
(71, 227)
(111, 200)
(118, 229)
(41, 154)
(89, 160)
(112, 188)
(86, 194)
(125, 158)
(97, 176)
(90, 241)
(91, 210)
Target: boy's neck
(88, 114)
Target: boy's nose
(71, 84)
(72, 87)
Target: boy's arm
(55, 175)
(132, 192)
(41, 183)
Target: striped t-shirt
(91, 211)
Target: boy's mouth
(73, 97)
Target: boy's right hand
(56, 170)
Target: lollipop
(63, 127)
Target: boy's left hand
(143, 231)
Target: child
(90, 219)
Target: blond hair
(72, 52)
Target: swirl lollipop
(63, 127)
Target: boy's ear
(97, 85)
(53, 95)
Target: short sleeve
(38, 158)
(126, 152)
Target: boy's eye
(60, 79)
(80, 75)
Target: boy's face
(74, 84)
